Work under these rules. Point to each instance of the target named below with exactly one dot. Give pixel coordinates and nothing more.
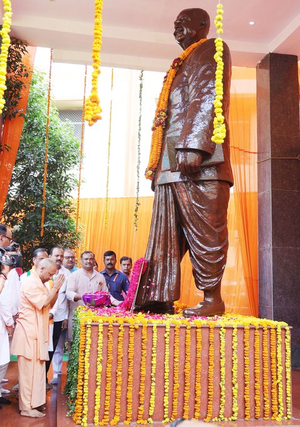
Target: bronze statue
(192, 181)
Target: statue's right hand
(189, 161)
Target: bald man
(30, 340)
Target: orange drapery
(12, 133)
(240, 282)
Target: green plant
(23, 206)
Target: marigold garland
(287, 372)
(161, 111)
(116, 418)
(235, 385)
(257, 372)
(138, 164)
(99, 372)
(5, 42)
(153, 371)
(219, 132)
(279, 373)
(266, 407)
(46, 146)
(109, 361)
(247, 372)
(130, 374)
(175, 371)
(141, 419)
(187, 372)
(86, 373)
(166, 374)
(92, 108)
(109, 316)
(198, 371)
(211, 364)
(222, 374)
(81, 150)
(274, 394)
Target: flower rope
(153, 371)
(219, 131)
(257, 372)
(141, 419)
(211, 364)
(266, 407)
(274, 395)
(235, 385)
(5, 42)
(161, 110)
(77, 415)
(187, 373)
(81, 150)
(108, 147)
(86, 373)
(116, 418)
(105, 420)
(166, 374)
(46, 146)
(247, 372)
(99, 372)
(288, 372)
(137, 199)
(198, 371)
(279, 373)
(92, 108)
(222, 374)
(130, 356)
(175, 371)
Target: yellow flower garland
(109, 362)
(4, 33)
(116, 418)
(166, 374)
(141, 419)
(257, 372)
(175, 371)
(211, 364)
(247, 372)
(198, 371)
(153, 370)
(219, 132)
(130, 374)
(187, 372)
(161, 111)
(99, 372)
(266, 373)
(274, 329)
(274, 395)
(92, 108)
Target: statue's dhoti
(186, 216)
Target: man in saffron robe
(192, 179)
(30, 340)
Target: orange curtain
(12, 133)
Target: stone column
(279, 192)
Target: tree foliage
(24, 201)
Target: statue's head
(190, 26)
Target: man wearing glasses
(5, 236)
(69, 260)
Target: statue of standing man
(192, 178)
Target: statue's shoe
(205, 308)
(156, 308)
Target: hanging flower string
(46, 146)
(4, 34)
(108, 147)
(137, 200)
(92, 108)
(219, 132)
(81, 150)
(161, 110)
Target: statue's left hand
(189, 161)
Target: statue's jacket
(190, 115)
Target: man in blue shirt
(117, 282)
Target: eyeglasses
(9, 238)
(69, 257)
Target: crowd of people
(36, 313)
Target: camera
(10, 256)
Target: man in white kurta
(84, 280)
(30, 340)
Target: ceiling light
(251, 23)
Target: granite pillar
(279, 192)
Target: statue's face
(186, 29)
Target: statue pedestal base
(163, 369)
